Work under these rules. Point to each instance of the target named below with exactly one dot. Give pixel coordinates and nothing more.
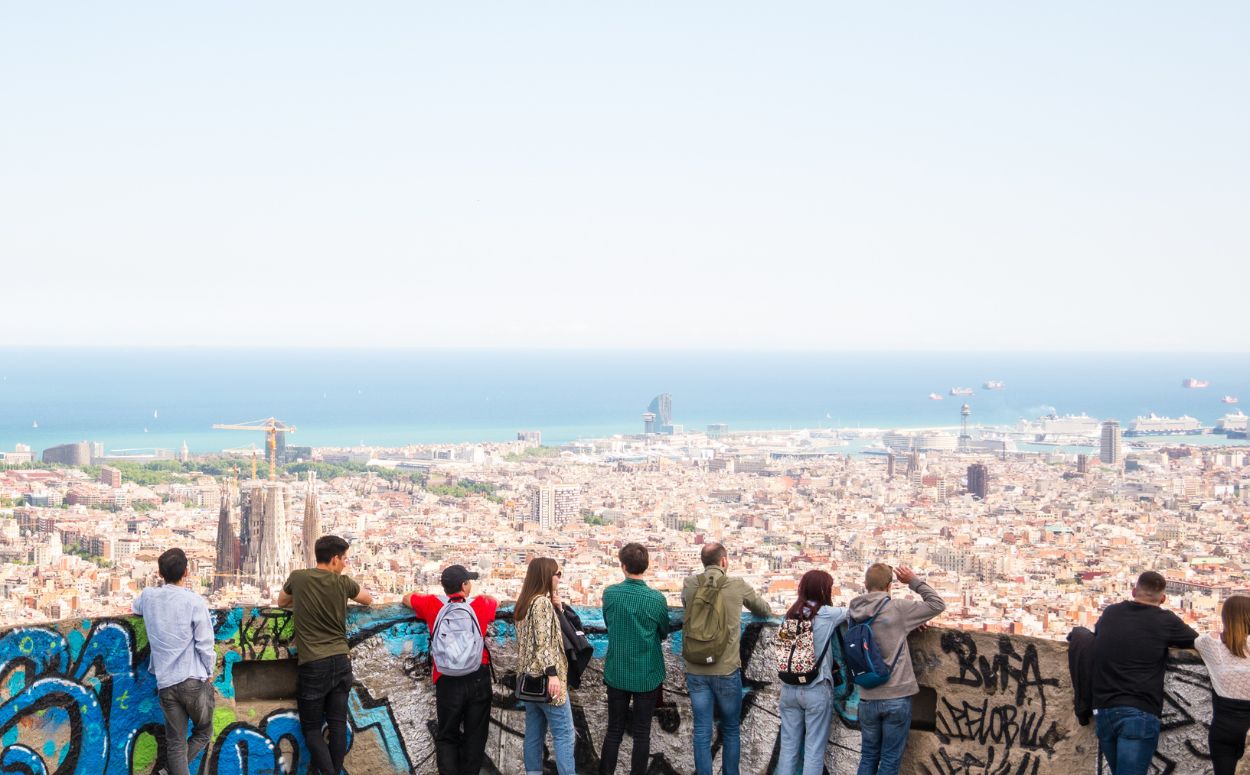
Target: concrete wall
(77, 697)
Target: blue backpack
(863, 655)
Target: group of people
(1120, 685)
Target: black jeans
(1230, 719)
(640, 729)
(192, 700)
(462, 703)
(323, 688)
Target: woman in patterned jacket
(540, 649)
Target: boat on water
(935, 396)
(1234, 422)
(35, 424)
(993, 384)
(961, 391)
(156, 414)
(1196, 383)
(875, 449)
(1154, 425)
(1229, 399)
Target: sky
(721, 175)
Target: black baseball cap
(454, 577)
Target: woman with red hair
(807, 710)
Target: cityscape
(1027, 530)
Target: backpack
(794, 648)
(456, 642)
(705, 632)
(863, 655)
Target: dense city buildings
(1025, 542)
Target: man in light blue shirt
(180, 637)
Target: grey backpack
(456, 643)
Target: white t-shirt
(1230, 675)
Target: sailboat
(156, 414)
(35, 424)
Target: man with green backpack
(713, 602)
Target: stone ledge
(76, 697)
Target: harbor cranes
(272, 427)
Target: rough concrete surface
(76, 697)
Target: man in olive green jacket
(717, 688)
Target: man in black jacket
(1131, 645)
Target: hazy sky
(954, 175)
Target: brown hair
(877, 577)
(1236, 616)
(635, 559)
(1151, 585)
(712, 553)
(815, 590)
(537, 582)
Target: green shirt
(320, 612)
(637, 619)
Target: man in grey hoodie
(885, 711)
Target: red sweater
(428, 606)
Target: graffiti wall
(77, 697)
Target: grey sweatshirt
(890, 629)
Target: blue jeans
(1129, 737)
(539, 716)
(883, 728)
(710, 696)
(806, 712)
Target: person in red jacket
(462, 702)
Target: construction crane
(272, 428)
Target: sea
(136, 399)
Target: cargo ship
(1154, 425)
(1195, 383)
(993, 384)
(961, 391)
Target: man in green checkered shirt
(637, 619)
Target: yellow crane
(272, 428)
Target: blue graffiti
(77, 703)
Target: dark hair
(172, 565)
(634, 557)
(1151, 584)
(712, 554)
(537, 582)
(329, 547)
(877, 577)
(815, 591)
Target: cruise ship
(1154, 425)
(1234, 422)
(961, 391)
(993, 384)
(1052, 425)
(1195, 383)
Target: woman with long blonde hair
(1227, 656)
(540, 651)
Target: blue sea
(141, 398)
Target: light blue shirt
(824, 623)
(180, 634)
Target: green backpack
(705, 632)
